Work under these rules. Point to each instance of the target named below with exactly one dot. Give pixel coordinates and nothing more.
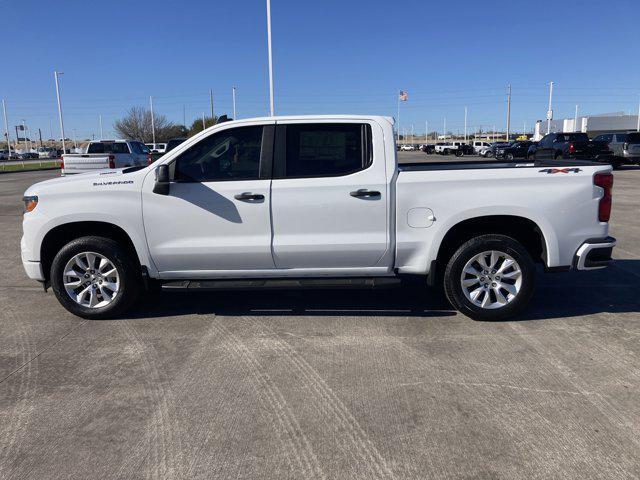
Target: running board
(283, 283)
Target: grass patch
(29, 166)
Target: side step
(282, 283)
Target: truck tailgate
(84, 163)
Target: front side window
(324, 150)
(232, 154)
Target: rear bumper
(594, 253)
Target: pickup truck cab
(106, 154)
(572, 146)
(313, 200)
(625, 147)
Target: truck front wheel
(490, 277)
(94, 278)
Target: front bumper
(594, 253)
(33, 269)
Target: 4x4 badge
(560, 170)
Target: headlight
(30, 203)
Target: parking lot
(349, 384)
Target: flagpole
(398, 130)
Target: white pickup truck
(447, 147)
(299, 201)
(106, 154)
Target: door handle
(249, 197)
(364, 193)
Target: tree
(136, 125)
(196, 125)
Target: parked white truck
(106, 154)
(298, 201)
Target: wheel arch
(524, 230)
(64, 233)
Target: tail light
(112, 161)
(625, 146)
(62, 162)
(149, 159)
(572, 148)
(604, 181)
(605, 147)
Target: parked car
(478, 145)
(565, 146)
(106, 154)
(531, 151)
(491, 150)
(238, 205)
(173, 143)
(157, 147)
(447, 147)
(4, 155)
(513, 151)
(625, 147)
(407, 148)
(47, 152)
(428, 149)
(464, 149)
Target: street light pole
(575, 120)
(509, 113)
(56, 74)
(203, 124)
(233, 93)
(101, 135)
(211, 103)
(637, 126)
(153, 122)
(465, 123)
(550, 111)
(6, 126)
(24, 134)
(271, 107)
(75, 144)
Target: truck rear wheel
(490, 277)
(94, 278)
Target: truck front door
(216, 216)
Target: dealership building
(590, 124)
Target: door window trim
(279, 158)
(265, 165)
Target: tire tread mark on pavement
(286, 425)
(163, 440)
(608, 410)
(329, 404)
(19, 415)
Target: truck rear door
(329, 195)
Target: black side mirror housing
(162, 180)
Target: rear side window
(621, 137)
(110, 147)
(326, 150)
(633, 137)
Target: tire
(445, 151)
(459, 153)
(509, 157)
(111, 295)
(496, 309)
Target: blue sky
(329, 57)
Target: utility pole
(24, 134)
(444, 128)
(550, 111)
(271, 108)
(153, 122)
(575, 120)
(100, 118)
(465, 124)
(637, 126)
(426, 131)
(233, 93)
(75, 144)
(56, 74)
(6, 126)
(203, 124)
(40, 137)
(509, 113)
(211, 104)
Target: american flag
(403, 96)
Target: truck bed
(485, 164)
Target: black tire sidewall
(453, 272)
(125, 265)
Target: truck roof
(379, 118)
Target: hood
(81, 178)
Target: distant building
(592, 125)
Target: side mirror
(162, 180)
